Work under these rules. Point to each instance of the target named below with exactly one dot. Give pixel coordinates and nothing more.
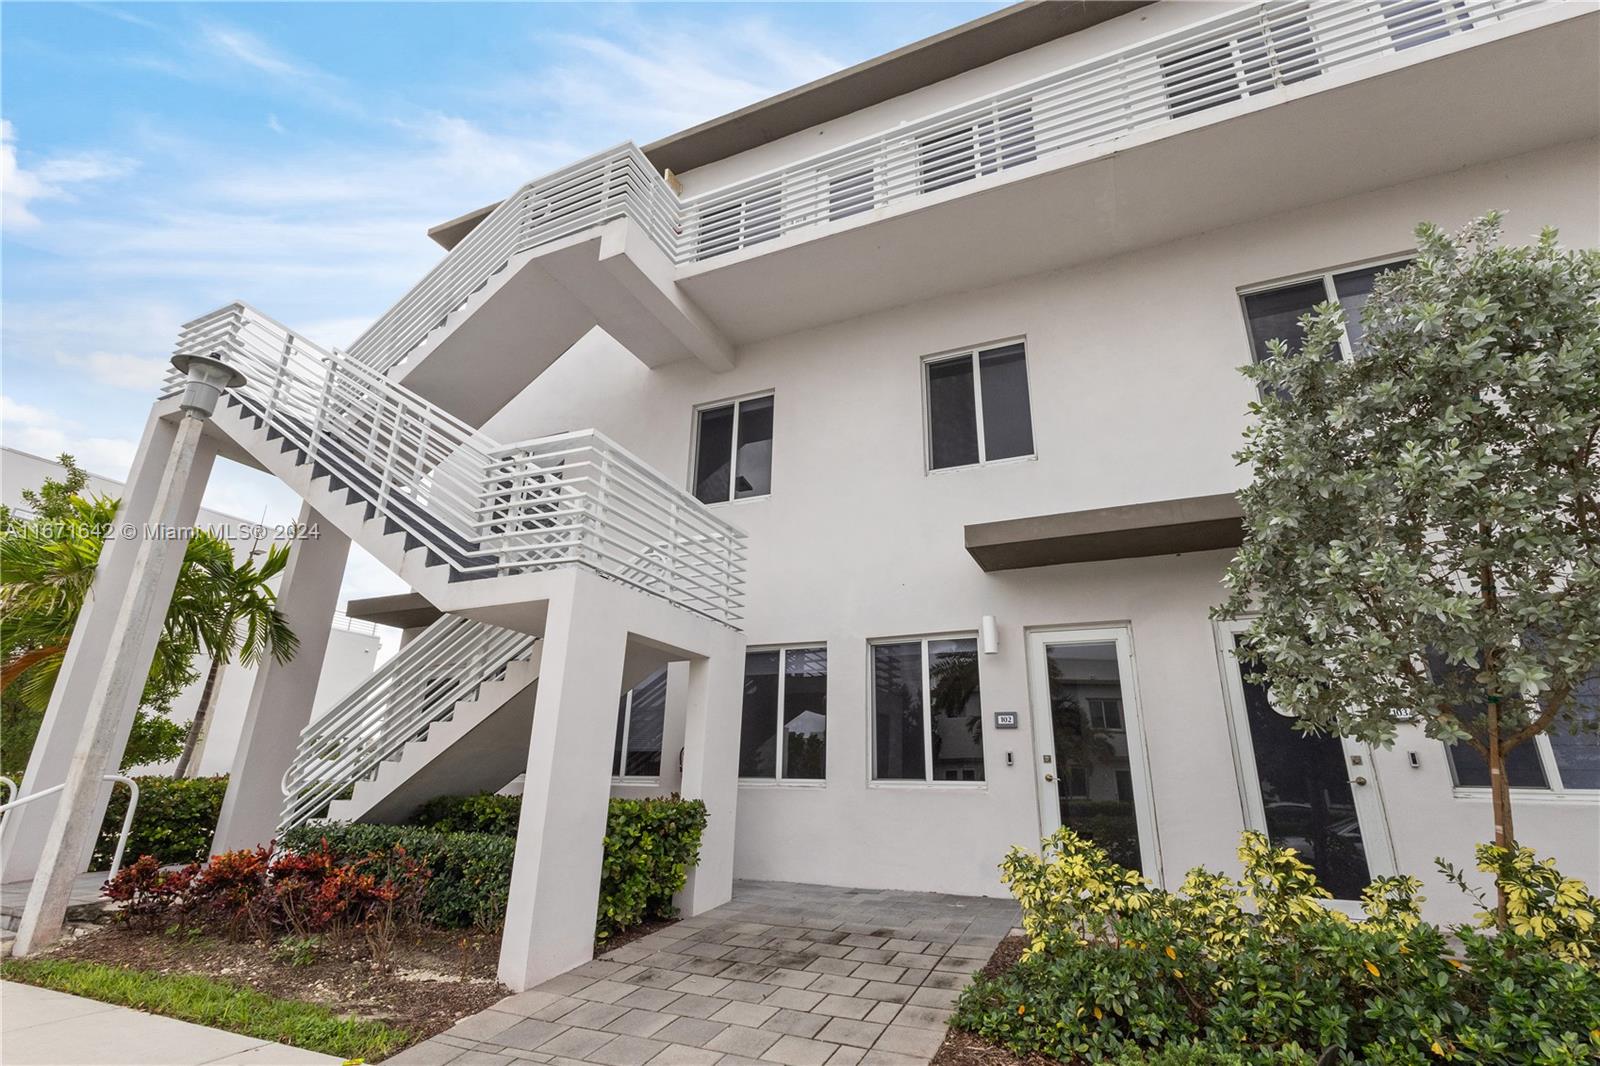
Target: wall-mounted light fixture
(988, 635)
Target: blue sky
(163, 159)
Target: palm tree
(250, 625)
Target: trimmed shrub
(485, 812)
(469, 874)
(1259, 972)
(174, 821)
(468, 842)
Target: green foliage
(154, 738)
(484, 812)
(1422, 534)
(1258, 971)
(650, 846)
(173, 822)
(469, 874)
(220, 1004)
(467, 843)
(1543, 904)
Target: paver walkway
(41, 1027)
(785, 974)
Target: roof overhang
(406, 610)
(962, 48)
(1133, 531)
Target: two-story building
(916, 391)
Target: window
(961, 153)
(1105, 714)
(641, 717)
(784, 733)
(1558, 761)
(1275, 313)
(927, 717)
(978, 407)
(733, 451)
(1241, 63)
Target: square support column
(70, 701)
(282, 697)
(121, 667)
(555, 879)
(711, 767)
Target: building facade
(860, 462)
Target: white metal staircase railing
(1213, 61)
(482, 508)
(421, 685)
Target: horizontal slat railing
(482, 508)
(445, 664)
(1208, 63)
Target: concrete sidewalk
(39, 1027)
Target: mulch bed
(967, 1049)
(435, 976)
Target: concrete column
(711, 767)
(121, 666)
(281, 700)
(25, 827)
(555, 880)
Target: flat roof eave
(1130, 531)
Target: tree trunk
(197, 728)
(1500, 791)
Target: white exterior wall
(350, 659)
(1136, 397)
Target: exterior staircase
(473, 525)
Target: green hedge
(468, 843)
(469, 873)
(174, 820)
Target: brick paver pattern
(784, 975)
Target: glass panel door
(1090, 760)
(1315, 793)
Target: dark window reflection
(957, 725)
(805, 713)
(714, 454)
(952, 414)
(758, 732)
(897, 712)
(1275, 315)
(1307, 795)
(753, 464)
(1007, 420)
(641, 717)
(1524, 769)
(1094, 778)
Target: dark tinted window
(723, 473)
(952, 414)
(1276, 314)
(897, 712)
(1007, 420)
(758, 733)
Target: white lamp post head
(208, 378)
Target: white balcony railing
(483, 508)
(1209, 63)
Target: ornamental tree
(1422, 535)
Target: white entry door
(1089, 762)
(1318, 794)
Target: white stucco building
(881, 434)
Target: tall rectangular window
(641, 720)
(1560, 760)
(733, 451)
(784, 731)
(927, 714)
(1274, 313)
(978, 408)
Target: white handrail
(482, 508)
(127, 818)
(447, 663)
(1211, 62)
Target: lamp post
(120, 678)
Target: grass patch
(219, 1004)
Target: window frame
(972, 353)
(928, 780)
(1556, 790)
(778, 779)
(622, 777)
(737, 403)
(1328, 276)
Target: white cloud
(43, 432)
(51, 178)
(120, 370)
